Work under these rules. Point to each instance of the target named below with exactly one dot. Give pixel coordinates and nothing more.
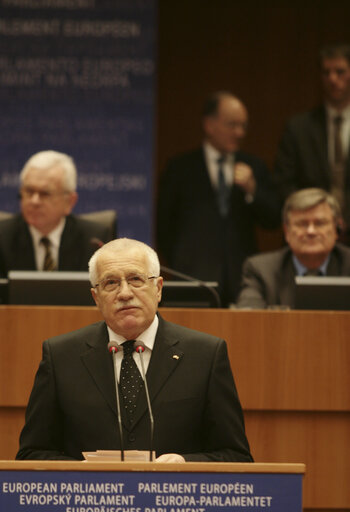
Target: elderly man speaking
(73, 405)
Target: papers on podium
(115, 456)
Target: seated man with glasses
(73, 406)
(311, 221)
(45, 235)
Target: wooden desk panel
(281, 360)
(291, 370)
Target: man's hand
(244, 178)
(170, 457)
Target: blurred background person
(45, 235)
(211, 199)
(314, 149)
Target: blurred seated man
(311, 218)
(73, 404)
(45, 235)
(211, 200)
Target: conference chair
(5, 215)
(108, 219)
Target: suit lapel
(70, 242)
(164, 360)
(23, 251)
(99, 364)
(320, 141)
(287, 282)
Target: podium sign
(149, 487)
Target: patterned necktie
(49, 263)
(131, 381)
(339, 162)
(313, 272)
(223, 189)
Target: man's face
(43, 199)
(226, 130)
(311, 234)
(128, 311)
(336, 81)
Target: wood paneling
(291, 370)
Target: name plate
(149, 491)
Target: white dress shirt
(211, 157)
(39, 249)
(147, 337)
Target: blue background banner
(78, 76)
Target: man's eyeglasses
(317, 224)
(112, 284)
(44, 195)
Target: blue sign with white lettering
(78, 76)
(94, 491)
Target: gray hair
(121, 244)
(309, 198)
(48, 159)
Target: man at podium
(85, 399)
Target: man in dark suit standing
(73, 405)
(311, 222)
(211, 199)
(45, 236)
(314, 148)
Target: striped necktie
(49, 263)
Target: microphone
(139, 347)
(113, 348)
(96, 242)
(201, 283)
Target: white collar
(54, 236)
(147, 337)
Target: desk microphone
(186, 277)
(96, 242)
(113, 347)
(139, 347)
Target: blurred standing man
(314, 149)
(310, 220)
(45, 236)
(211, 199)
(73, 405)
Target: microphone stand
(185, 277)
(140, 348)
(113, 348)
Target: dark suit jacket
(17, 252)
(302, 156)
(195, 405)
(268, 279)
(192, 236)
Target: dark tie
(339, 162)
(223, 189)
(49, 263)
(131, 381)
(313, 272)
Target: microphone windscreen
(96, 242)
(139, 346)
(113, 347)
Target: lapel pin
(175, 356)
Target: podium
(64, 486)
(291, 370)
